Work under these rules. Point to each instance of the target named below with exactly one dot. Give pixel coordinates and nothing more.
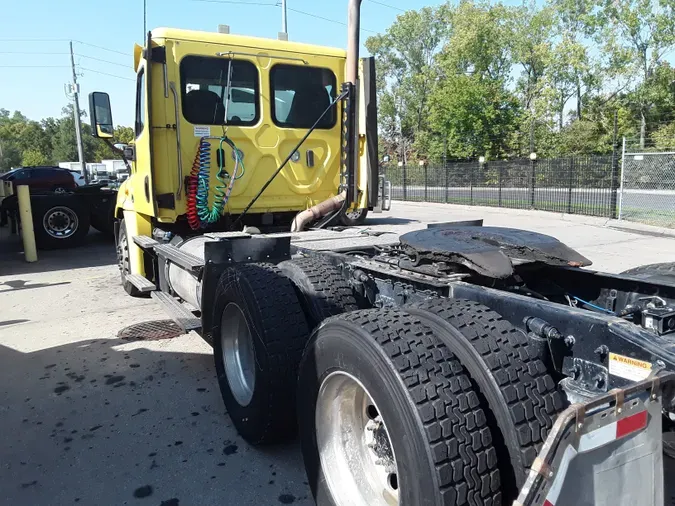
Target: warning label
(628, 368)
(202, 131)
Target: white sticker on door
(202, 131)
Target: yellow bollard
(27, 232)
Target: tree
(52, 140)
(638, 33)
(578, 25)
(471, 106)
(406, 55)
(33, 157)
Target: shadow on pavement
(111, 422)
(389, 220)
(98, 249)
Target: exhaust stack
(335, 203)
(353, 34)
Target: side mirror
(101, 115)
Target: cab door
(300, 92)
(150, 115)
(141, 177)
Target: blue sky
(34, 35)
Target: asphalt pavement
(90, 418)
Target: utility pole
(76, 114)
(284, 17)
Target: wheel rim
(354, 215)
(60, 222)
(238, 353)
(355, 450)
(123, 254)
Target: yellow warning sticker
(628, 368)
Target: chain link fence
(647, 190)
(576, 185)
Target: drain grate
(151, 331)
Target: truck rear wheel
(59, 221)
(387, 415)
(322, 289)
(258, 336)
(353, 218)
(518, 395)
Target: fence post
(447, 181)
(614, 183)
(426, 183)
(405, 183)
(471, 180)
(623, 159)
(501, 175)
(533, 177)
(570, 181)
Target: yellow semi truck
(453, 365)
(234, 131)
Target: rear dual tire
(423, 366)
(436, 433)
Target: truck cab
(218, 116)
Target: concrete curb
(595, 221)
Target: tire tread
(526, 388)
(284, 335)
(331, 294)
(459, 441)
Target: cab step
(145, 242)
(185, 260)
(183, 317)
(142, 284)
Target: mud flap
(608, 451)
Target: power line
(106, 74)
(34, 40)
(266, 4)
(101, 47)
(34, 66)
(326, 19)
(104, 61)
(238, 2)
(30, 52)
(387, 5)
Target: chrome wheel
(238, 353)
(355, 450)
(123, 254)
(60, 222)
(354, 215)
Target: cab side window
(300, 94)
(140, 102)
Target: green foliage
(50, 141)
(33, 157)
(407, 72)
(664, 137)
(487, 79)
